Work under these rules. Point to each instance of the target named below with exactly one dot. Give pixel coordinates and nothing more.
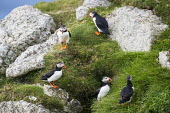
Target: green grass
(89, 57)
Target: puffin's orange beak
(110, 79)
(89, 15)
(64, 66)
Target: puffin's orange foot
(55, 86)
(64, 47)
(97, 33)
(52, 84)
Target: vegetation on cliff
(90, 57)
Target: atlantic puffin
(100, 22)
(127, 92)
(104, 89)
(64, 36)
(54, 74)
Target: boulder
(82, 11)
(164, 59)
(25, 26)
(96, 3)
(134, 29)
(6, 56)
(59, 93)
(71, 105)
(21, 107)
(32, 58)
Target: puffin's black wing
(48, 75)
(102, 20)
(126, 93)
(102, 24)
(69, 33)
(96, 92)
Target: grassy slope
(90, 57)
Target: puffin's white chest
(103, 91)
(63, 37)
(94, 20)
(55, 76)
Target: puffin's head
(106, 79)
(92, 14)
(63, 28)
(129, 78)
(60, 64)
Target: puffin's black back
(49, 74)
(102, 23)
(126, 92)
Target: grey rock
(58, 93)
(71, 105)
(6, 56)
(25, 26)
(32, 58)
(164, 59)
(74, 106)
(82, 11)
(134, 29)
(96, 3)
(21, 107)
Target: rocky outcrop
(25, 26)
(71, 105)
(32, 58)
(7, 55)
(82, 11)
(21, 107)
(134, 29)
(164, 59)
(58, 93)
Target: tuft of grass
(147, 79)
(62, 11)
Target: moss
(16, 92)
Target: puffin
(54, 74)
(100, 22)
(127, 92)
(64, 36)
(104, 89)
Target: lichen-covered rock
(96, 3)
(134, 29)
(23, 27)
(21, 107)
(32, 58)
(59, 93)
(81, 11)
(6, 56)
(71, 105)
(164, 59)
